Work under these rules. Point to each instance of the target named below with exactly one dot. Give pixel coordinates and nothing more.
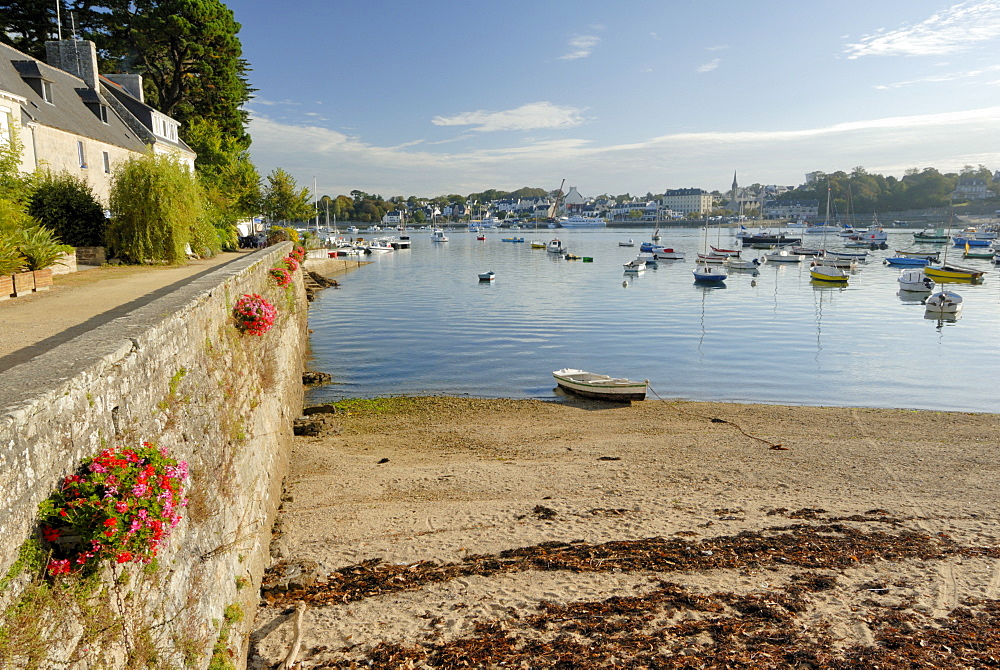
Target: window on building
(102, 113)
(107, 163)
(81, 154)
(47, 91)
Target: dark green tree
(66, 204)
(188, 53)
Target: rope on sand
(776, 446)
(300, 610)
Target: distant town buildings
(799, 210)
(688, 201)
(971, 188)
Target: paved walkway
(32, 324)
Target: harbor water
(419, 322)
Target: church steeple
(732, 199)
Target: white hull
(600, 386)
(583, 222)
(944, 302)
(915, 280)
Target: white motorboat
(438, 236)
(600, 386)
(666, 253)
(630, 243)
(914, 280)
(487, 276)
(635, 265)
(860, 256)
(783, 256)
(943, 302)
(739, 264)
(555, 247)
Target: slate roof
(69, 110)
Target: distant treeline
(865, 192)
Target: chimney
(130, 82)
(77, 57)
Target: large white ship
(578, 221)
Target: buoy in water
(753, 282)
(625, 284)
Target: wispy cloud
(274, 103)
(888, 145)
(581, 46)
(709, 66)
(718, 47)
(955, 29)
(532, 116)
(941, 78)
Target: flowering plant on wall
(122, 506)
(298, 253)
(291, 262)
(253, 314)
(280, 276)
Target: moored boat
(438, 235)
(828, 273)
(929, 255)
(635, 265)
(943, 302)
(555, 246)
(914, 280)
(928, 235)
(487, 276)
(599, 386)
(906, 261)
(783, 256)
(709, 273)
(953, 272)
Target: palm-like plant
(40, 248)
(11, 259)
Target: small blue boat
(906, 261)
(970, 241)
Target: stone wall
(176, 373)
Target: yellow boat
(828, 273)
(953, 272)
(538, 245)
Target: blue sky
(436, 97)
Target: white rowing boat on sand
(599, 386)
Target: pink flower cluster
(254, 315)
(291, 262)
(280, 276)
(122, 506)
(298, 253)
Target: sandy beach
(514, 533)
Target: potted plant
(41, 251)
(11, 261)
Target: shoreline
(406, 500)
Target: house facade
(688, 200)
(800, 210)
(70, 118)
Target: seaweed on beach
(814, 547)
(671, 627)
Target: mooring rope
(776, 446)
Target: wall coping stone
(44, 375)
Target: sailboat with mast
(947, 272)
(819, 269)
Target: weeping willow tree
(157, 213)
